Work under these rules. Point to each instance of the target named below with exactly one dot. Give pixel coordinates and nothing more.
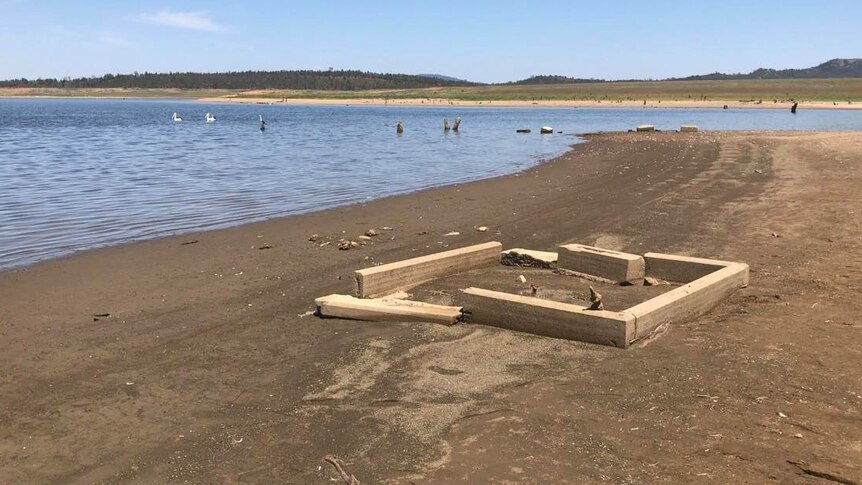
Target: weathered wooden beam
(386, 310)
(545, 317)
(402, 275)
(606, 264)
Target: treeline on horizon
(331, 80)
(351, 80)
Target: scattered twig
(807, 470)
(193, 241)
(339, 467)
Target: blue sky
(487, 41)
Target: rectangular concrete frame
(606, 264)
(386, 309)
(548, 318)
(646, 128)
(402, 275)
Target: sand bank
(653, 104)
(192, 358)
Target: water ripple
(80, 174)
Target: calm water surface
(80, 174)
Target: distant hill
(444, 78)
(331, 80)
(552, 79)
(835, 68)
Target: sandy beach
(193, 359)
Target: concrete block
(689, 300)
(646, 128)
(604, 263)
(386, 309)
(402, 275)
(688, 129)
(529, 258)
(681, 269)
(548, 318)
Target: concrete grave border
(705, 282)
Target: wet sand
(205, 369)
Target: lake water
(78, 174)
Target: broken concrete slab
(529, 258)
(386, 309)
(403, 275)
(689, 300)
(545, 317)
(607, 264)
(688, 129)
(646, 128)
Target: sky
(478, 40)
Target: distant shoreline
(438, 103)
(444, 102)
(463, 103)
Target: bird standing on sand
(262, 123)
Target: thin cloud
(183, 20)
(113, 40)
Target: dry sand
(206, 370)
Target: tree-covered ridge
(331, 80)
(552, 79)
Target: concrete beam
(529, 258)
(689, 300)
(548, 318)
(688, 129)
(403, 275)
(603, 263)
(386, 310)
(681, 269)
(646, 128)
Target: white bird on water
(209, 118)
(176, 117)
(262, 123)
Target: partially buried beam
(403, 275)
(529, 258)
(386, 309)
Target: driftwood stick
(339, 467)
